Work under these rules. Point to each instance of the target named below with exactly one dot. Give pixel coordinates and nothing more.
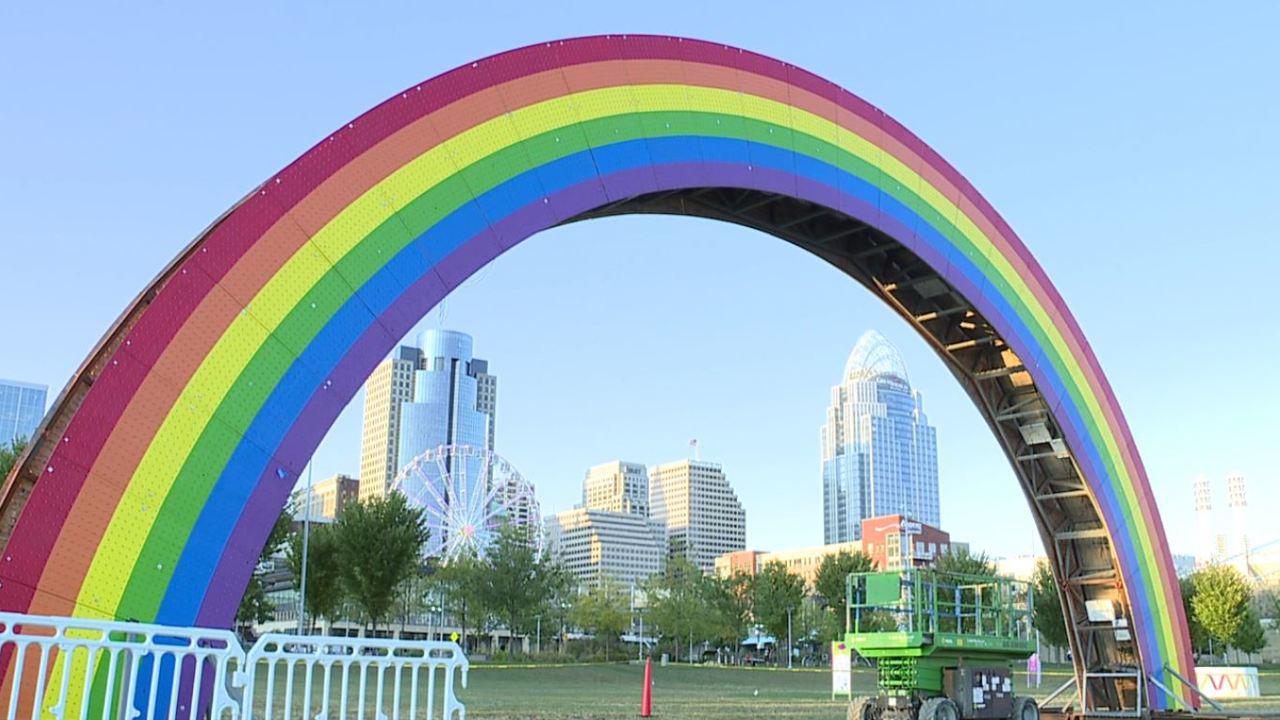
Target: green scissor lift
(944, 644)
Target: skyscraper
(21, 409)
(700, 512)
(617, 486)
(446, 408)
(421, 398)
(388, 388)
(879, 454)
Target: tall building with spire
(879, 453)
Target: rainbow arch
(160, 470)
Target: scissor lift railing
(922, 600)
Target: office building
(896, 541)
(698, 511)
(329, 497)
(21, 409)
(799, 561)
(888, 540)
(879, 454)
(603, 545)
(446, 408)
(617, 486)
(386, 391)
(421, 398)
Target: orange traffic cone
(646, 695)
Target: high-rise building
(446, 407)
(423, 397)
(329, 497)
(596, 545)
(617, 486)
(879, 453)
(21, 409)
(698, 510)
(386, 391)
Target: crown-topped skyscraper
(879, 453)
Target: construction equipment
(944, 644)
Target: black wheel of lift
(862, 708)
(1025, 708)
(939, 708)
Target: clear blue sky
(1133, 148)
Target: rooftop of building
(874, 356)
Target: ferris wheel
(466, 493)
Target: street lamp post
(790, 649)
(538, 647)
(306, 541)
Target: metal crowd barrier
(382, 679)
(64, 668)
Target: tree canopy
(380, 543)
(1047, 614)
(775, 592)
(9, 454)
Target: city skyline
(1126, 105)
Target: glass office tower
(879, 453)
(21, 409)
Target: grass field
(605, 692)
(612, 691)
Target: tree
(1250, 637)
(962, 562)
(775, 592)
(1220, 602)
(831, 585)
(324, 572)
(1199, 639)
(678, 604)
(255, 607)
(517, 581)
(379, 544)
(462, 580)
(604, 611)
(1047, 616)
(9, 454)
(731, 608)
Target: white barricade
(1228, 682)
(54, 663)
(99, 670)
(354, 677)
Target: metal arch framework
(1072, 531)
(158, 472)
